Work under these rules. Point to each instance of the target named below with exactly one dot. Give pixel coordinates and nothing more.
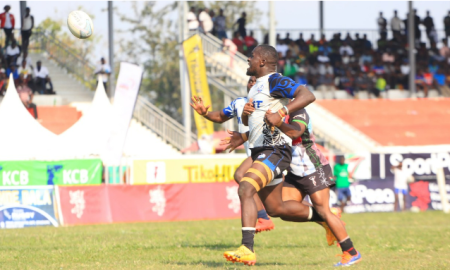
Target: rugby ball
(80, 24)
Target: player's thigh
(321, 199)
(291, 194)
(242, 169)
(258, 175)
(271, 197)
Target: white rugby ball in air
(80, 24)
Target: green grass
(385, 240)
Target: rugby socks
(248, 233)
(347, 245)
(314, 216)
(263, 214)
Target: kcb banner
(39, 173)
(27, 207)
(189, 169)
(195, 62)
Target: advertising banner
(378, 195)
(40, 173)
(189, 169)
(422, 166)
(125, 203)
(195, 62)
(125, 96)
(22, 207)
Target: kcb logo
(69, 177)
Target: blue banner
(27, 207)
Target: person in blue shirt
(12, 69)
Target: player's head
(262, 60)
(102, 60)
(342, 160)
(250, 83)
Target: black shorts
(322, 178)
(276, 158)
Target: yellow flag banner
(195, 62)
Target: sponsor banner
(359, 165)
(125, 203)
(188, 169)
(195, 62)
(422, 166)
(125, 96)
(378, 195)
(22, 207)
(63, 172)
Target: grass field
(385, 240)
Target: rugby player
(270, 149)
(309, 174)
(234, 110)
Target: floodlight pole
(184, 82)
(111, 49)
(23, 6)
(411, 48)
(321, 18)
(272, 39)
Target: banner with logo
(378, 195)
(125, 203)
(422, 166)
(195, 62)
(39, 173)
(127, 88)
(22, 207)
(188, 169)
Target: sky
(288, 14)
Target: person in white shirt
(27, 27)
(206, 22)
(41, 79)
(12, 53)
(382, 25)
(192, 20)
(103, 71)
(400, 185)
(396, 24)
(346, 48)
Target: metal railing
(162, 124)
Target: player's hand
(232, 142)
(198, 106)
(273, 119)
(248, 108)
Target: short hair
(268, 52)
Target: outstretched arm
(199, 107)
(235, 140)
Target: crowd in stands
(14, 60)
(351, 63)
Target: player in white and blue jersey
(234, 110)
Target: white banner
(127, 89)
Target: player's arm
(236, 140)
(249, 108)
(294, 129)
(199, 107)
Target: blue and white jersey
(271, 92)
(235, 109)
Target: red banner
(125, 203)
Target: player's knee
(246, 190)
(274, 211)
(238, 175)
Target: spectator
(12, 53)
(345, 48)
(7, 23)
(24, 56)
(287, 39)
(103, 71)
(366, 57)
(220, 25)
(322, 40)
(281, 62)
(342, 182)
(290, 68)
(382, 25)
(363, 83)
(378, 68)
(321, 58)
(250, 42)
(295, 50)
(400, 185)
(212, 14)
(3, 81)
(388, 57)
(231, 47)
(301, 76)
(238, 42)
(396, 24)
(380, 84)
(206, 23)
(367, 45)
(347, 83)
(192, 20)
(311, 40)
(27, 28)
(12, 69)
(417, 32)
(41, 79)
(241, 25)
(326, 79)
(25, 72)
(447, 25)
(429, 27)
(440, 83)
(420, 82)
(348, 39)
(301, 42)
(282, 48)
(445, 51)
(26, 96)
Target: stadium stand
(396, 122)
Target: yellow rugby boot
(242, 255)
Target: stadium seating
(396, 122)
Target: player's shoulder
(240, 101)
